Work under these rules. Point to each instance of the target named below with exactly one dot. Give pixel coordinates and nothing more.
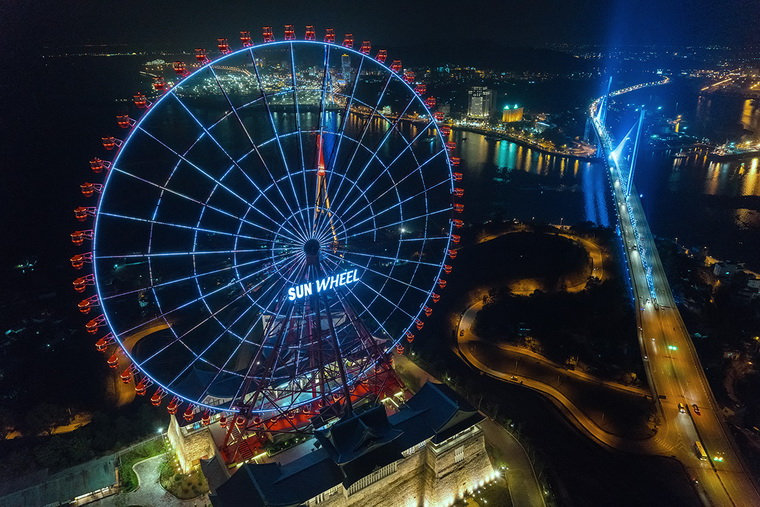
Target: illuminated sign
(323, 284)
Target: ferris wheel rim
(97, 224)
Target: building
(480, 102)
(511, 113)
(430, 452)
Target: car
(646, 357)
(513, 378)
(682, 408)
(696, 409)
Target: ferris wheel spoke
(298, 128)
(204, 204)
(393, 128)
(208, 318)
(235, 163)
(187, 278)
(361, 303)
(180, 226)
(408, 145)
(256, 358)
(379, 273)
(196, 167)
(393, 206)
(163, 315)
(408, 175)
(299, 212)
(404, 261)
(364, 132)
(188, 253)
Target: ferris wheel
(273, 227)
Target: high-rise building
(480, 102)
(345, 65)
(511, 113)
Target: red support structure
(267, 33)
(82, 213)
(348, 41)
(290, 32)
(330, 35)
(78, 237)
(245, 39)
(382, 55)
(79, 260)
(87, 304)
(89, 189)
(366, 47)
(223, 45)
(310, 33)
(180, 68)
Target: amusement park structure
(267, 235)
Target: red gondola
(445, 130)
(366, 47)
(173, 405)
(113, 361)
(458, 192)
(396, 66)
(87, 304)
(348, 41)
(439, 116)
(201, 55)
(419, 324)
(435, 297)
(267, 33)
(189, 413)
(400, 348)
(78, 237)
(223, 45)
(141, 102)
(455, 161)
(382, 55)
(223, 421)
(420, 89)
(88, 189)
(97, 165)
(310, 33)
(245, 39)
(79, 260)
(456, 238)
(290, 32)
(452, 253)
(83, 281)
(142, 387)
(126, 375)
(180, 68)
(206, 418)
(102, 344)
(83, 212)
(155, 400)
(239, 422)
(93, 324)
(409, 76)
(122, 120)
(457, 176)
(457, 223)
(330, 35)
(458, 207)
(428, 311)
(430, 102)
(109, 143)
(441, 283)
(409, 336)
(159, 84)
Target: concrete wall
(190, 446)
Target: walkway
(150, 492)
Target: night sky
(392, 22)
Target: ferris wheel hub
(311, 247)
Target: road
(671, 362)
